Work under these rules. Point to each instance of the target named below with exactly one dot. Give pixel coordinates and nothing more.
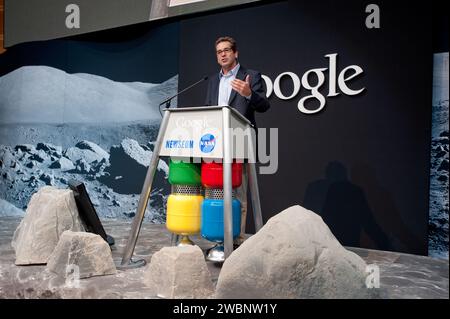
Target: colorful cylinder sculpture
(212, 227)
(181, 173)
(184, 213)
(184, 204)
(212, 175)
(212, 221)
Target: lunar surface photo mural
(86, 110)
(438, 222)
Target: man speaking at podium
(234, 85)
(243, 90)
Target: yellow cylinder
(184, 214)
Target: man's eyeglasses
(226, 50)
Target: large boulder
(86, 145)
(179, 272)
(50, 212)
(50, 149)
(86, 151)
(88, 253)
(294, 255)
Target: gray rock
(129, 164)
(50, 212)
(82, 167)
(49, 148)
(63, 163)
(294, 255)
(116, 203)
(86, 145)
(7, 176)
(46, 178)
(444, 166)
(39, 156)
(31, 164)
(86, 253)
(25, 148)
(179, 272)
(75, 154)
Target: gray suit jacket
(258, 102)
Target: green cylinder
(184, 173)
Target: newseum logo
(313, 80)
(180, 144)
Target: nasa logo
(207, 143)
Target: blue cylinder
(212, 219)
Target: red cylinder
(212, 175)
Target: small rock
(179, 272)
(46, 178)
(85, 253)
(82, 166)
(63, 163)
(444, 166)
(116, 203)
(25, 148)
(441, 154)
(31, 164)
(130, 214)
(49, 148)
(37, 157)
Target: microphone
(169, 100)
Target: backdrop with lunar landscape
(373, 164)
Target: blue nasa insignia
(207, 143)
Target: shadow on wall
(371, 221)
(385, 210)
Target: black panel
(363, 161)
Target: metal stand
(254, 193)
(145, 194)
(227, 184)
(174, 239)
(227, 155)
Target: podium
(208, 133)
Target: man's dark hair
(227, 39)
